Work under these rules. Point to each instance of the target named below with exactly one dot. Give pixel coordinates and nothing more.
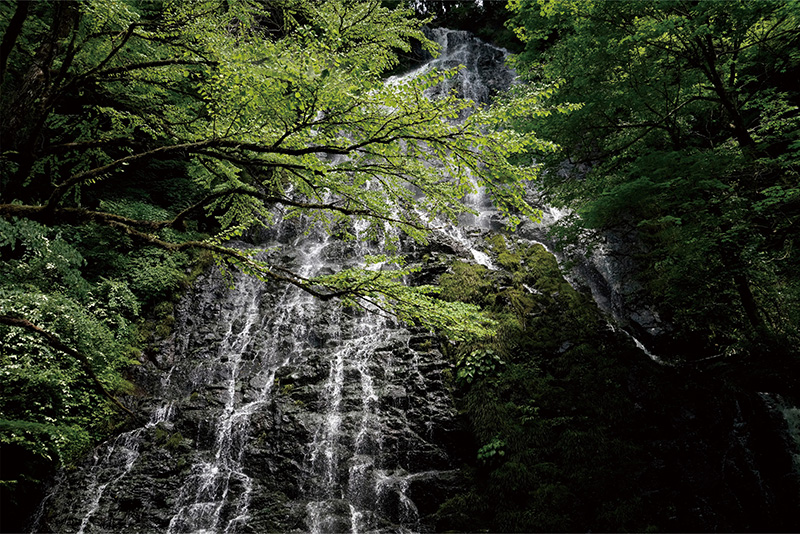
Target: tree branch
(150, 64)
(125, 37)
(54, 342)
(75, 179)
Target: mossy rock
(467, 283)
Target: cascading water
(213, 483)
(273, 411)
(483, 72)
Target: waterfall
(273, 411)
(790, 413)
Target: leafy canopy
(686, 137)
(264, 104)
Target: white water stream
(211, 484)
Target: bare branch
(150, 64)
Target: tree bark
(10, 37)
(22, 121)
(749, 302)
(708, 64)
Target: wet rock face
(608, 272)
(484, 72)
(273, 412)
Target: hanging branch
(54, 342)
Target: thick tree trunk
(10, 37)
(708, 64)
(749, 303)
(23, 118)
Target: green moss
(174, 441)
(543, 271)
(553, 405)
(467, 283)
(160, 434)
(162, 330)
(447, 376)
(509, 261)
(166, 439)
(497, 242)
(201, 262)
